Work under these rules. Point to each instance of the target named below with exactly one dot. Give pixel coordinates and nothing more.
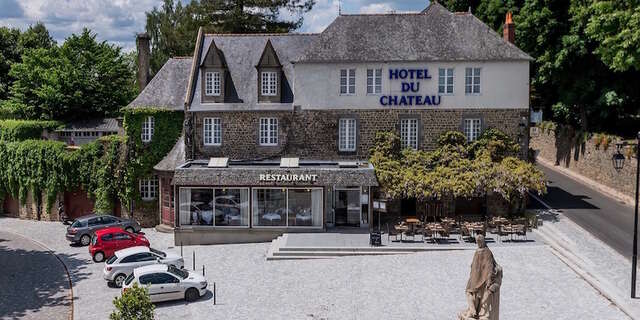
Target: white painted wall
(503, 85)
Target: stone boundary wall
(582, 157)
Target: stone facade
(313, 134)
(585, 158)
(11, 207)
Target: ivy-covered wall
(108, 169)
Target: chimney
(509, 29)
(144, 57)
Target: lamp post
(634, 260)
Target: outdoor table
(437, 228)
(474, 228)
(401, 228)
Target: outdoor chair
(392, 232)
(501, 232)
(464, 233)
(521, 231)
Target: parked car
(167, 282)
(105, 242)
(83, 228)
(122, 263)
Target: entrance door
(347, 207)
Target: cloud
(377, 8)
(10, 9)
(323, 13)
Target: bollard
(181, 249)
(194, 260)
(203, 270)
(214, 294)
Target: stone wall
(314, 133)
(561, 148)
(11, 207)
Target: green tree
(173, 27)
(81, 79)
(9, 54)
(615, 26)
(36, 36)
(134, 304)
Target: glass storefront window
(229, 207)
(269, 207)
(195, 207)
(305, 207)
(293, 207)
(232, 207)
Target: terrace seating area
(464, 229)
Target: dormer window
(212, 83)
(269, 76)
(269, 83)
(213, 70)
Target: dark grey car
(83, 228)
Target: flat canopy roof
(270, 173)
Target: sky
(117, 21)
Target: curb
(606, 190)
(66, 270)
(579, 266)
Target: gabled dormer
(213, 70)
(269, 76)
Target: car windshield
(128, 280)
(182, 274)
(158, 252)
(78, 224)
(112, 259)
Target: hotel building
(279, 126)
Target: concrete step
(332, 253)
(371, 249)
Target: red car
(109, 240)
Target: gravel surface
(429, 285)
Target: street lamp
(634, 260)
(618, 158)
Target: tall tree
(173, 27)
(9, 54)
(81, 79)
(36, 36)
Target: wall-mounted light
(618, 158)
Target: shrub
(134, 304)
(453, 138)
(19, 130)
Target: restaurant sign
(410, 88)
(287, 177)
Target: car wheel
(130, 230)
(98, 256)
(118, 280)
(85, 240)
(191, 294)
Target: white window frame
(269, 83)
(212, 131)
(147, 129)
(212, 83)
(347, 82)
(148, 188)
(347, 135)
(472, 81)
(472, 128)
(374, 81)
(409, 133)
(446, 87)
(268, 131)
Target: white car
(122, 263)
(167, 282)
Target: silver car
(121, 264)
(83, 228)
(167, 282)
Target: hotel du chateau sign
(410, 80)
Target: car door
(169, 286)
(124, 240)
(148, 281)
(108, 244)
(94, 224)
(108, 221)
(145, 259)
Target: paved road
(604, 217)
(33, 283)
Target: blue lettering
(402, 74)
(434, 100)
(383, 100)
(406, 87)
(403, 101)
(415, 88)
(426, 74)
(393, 73)
(410, 98)
(393, 100)
(427, 101)
(419, 100)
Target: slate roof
(242, 53)
(168, 87)
(435, 34)
(107, 124)
(175, 157)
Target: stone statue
(483, 287)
